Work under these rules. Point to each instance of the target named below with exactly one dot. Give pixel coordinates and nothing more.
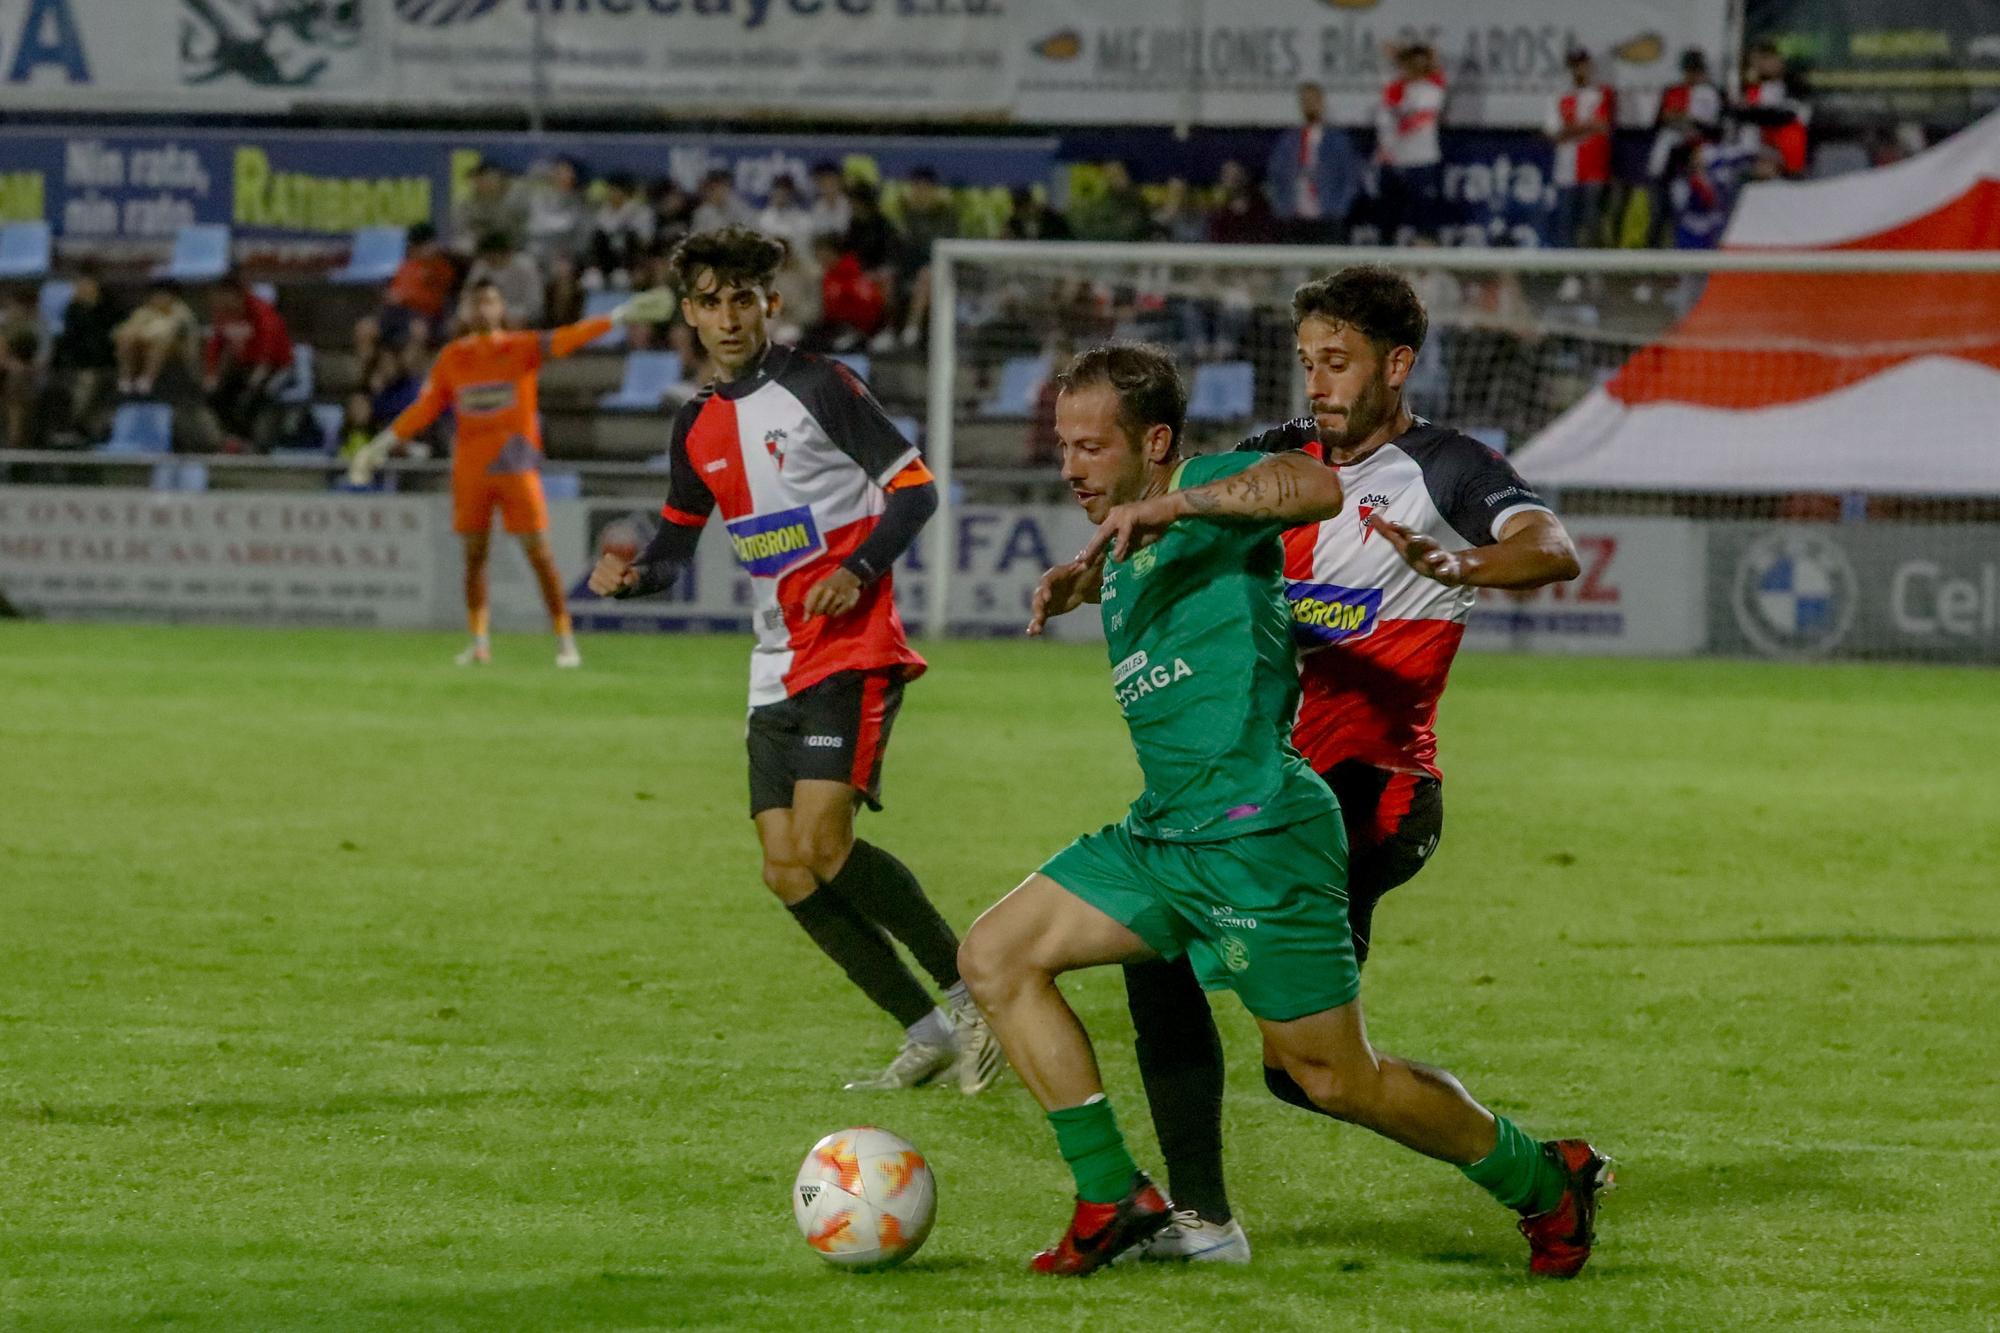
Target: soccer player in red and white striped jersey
(820, 494)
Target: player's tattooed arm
(1288, 488)
(1291, 488)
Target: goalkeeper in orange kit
(487, 378)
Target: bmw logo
(442, 13)
(1795, 593)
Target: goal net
(1790, 454)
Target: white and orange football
(864, 1198)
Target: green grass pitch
(342, 989)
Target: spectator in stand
(620, 234)
(785, 216)
(832, 211)
(1690, 112)
(673, 217)
(1407, 146)
(84, 361)
(20, 386)
(1244, 215)
(393, 380)
(248, 349)
(491, 205)
(1117, 212)
(1033, 218)
(797, 286)
(853, 306)
(158, 345)
(417, 297)
(929, 215)
(357, 426)
(1773, 110)
(1313, 175)
(720, 206)
(519, 281)
(871, 237)
(1707, 174)
(1180, 216)
(558, 234)
(1579, 123)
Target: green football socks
(1517, 1172)
(1090, 1142)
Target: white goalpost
(1844, 387)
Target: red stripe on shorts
(1395, 803)
(868, 744)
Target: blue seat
(377, 254)
(329, 417)
(201, 254)
(1222, 391)
(141, 428)
(1021, 378)
(857, 362)
(180, 476)
(598, 304)
(54, 302)
(297, 384)
(649, 378)
(908, 427)
(562, 485)
(26, 249)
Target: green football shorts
(1263, 914)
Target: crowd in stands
(554, 240)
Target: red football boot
(1100, 1232)
(1559, 1240)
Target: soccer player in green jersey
(1234, 854)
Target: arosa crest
(442, 13)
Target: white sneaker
(1191, 1240)
(567, 656)
(915, 1065)
(980, 1059)
(475, 654)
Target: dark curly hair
(1376, 302)
(740, 256)
(1143, 375)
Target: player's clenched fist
(612, 575)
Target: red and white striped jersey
(798, 456)
(1585, 161)
(1376, 639)
(1406, 121)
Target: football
(864, 1199)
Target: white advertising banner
(239, 557)
(184, 55)
(1131, 62)
(1643, 591)
(1239, 62)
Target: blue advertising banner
(131, 190)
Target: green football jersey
(1200, 637)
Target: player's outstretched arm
(1290, 488)
(1533, 549)
(1063, 589)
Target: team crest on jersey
(1367, 505)
(769, 544)
(774, 445)
(1325, 613)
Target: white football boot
(476, 653)
(566, 654)
(980, 1059)
(915, 1065)
(1189, 1239)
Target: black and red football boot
(1100, 1232)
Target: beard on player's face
(1344, 425)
